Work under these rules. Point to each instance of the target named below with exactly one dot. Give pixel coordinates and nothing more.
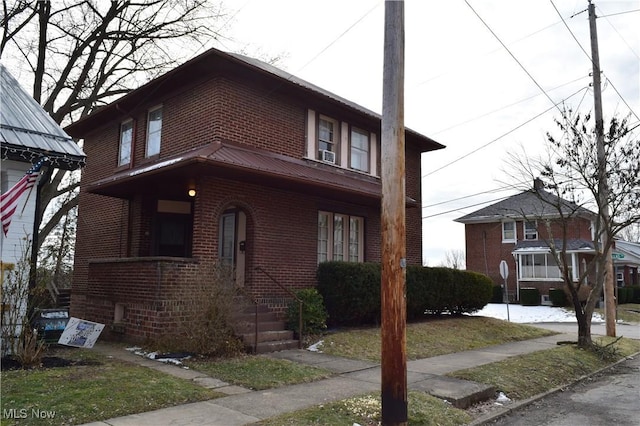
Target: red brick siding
(485, 249)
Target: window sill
(338, 166)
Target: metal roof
(27, 132)
(248, 164)
(573, 245)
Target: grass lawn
(96, 388)
(434, 337)
(258, 372)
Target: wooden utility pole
(393, 246)
(603, 184)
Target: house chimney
(538, 185)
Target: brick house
(520, 230)
(226, 159)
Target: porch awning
(574, 245)
(246, 164)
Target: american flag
(9, 200)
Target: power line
(464, 207)
(504, 107)
(503, 135)
(490, 191)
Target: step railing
(253, 300)
(292, 294)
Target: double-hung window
(359, 155)
(126, 136)
(340, 237)
(154, 131)
(509, 232)
(530, 230)
(327, 139)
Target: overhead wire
(555, 105)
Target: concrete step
(460, 393)
(267, 336)
(249, 327)
(275, 346)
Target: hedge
(351, 291)
(558, 297)
(529, 296)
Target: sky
(481, 77)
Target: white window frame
(338, 242)
(154, 137)
(505, 239)
(530, 234)
(334, 143)
(126, 142)
(359, 152)
(547, 266)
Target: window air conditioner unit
(328, 156)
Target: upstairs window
(126, 136)
(530, 231)
(340, 237)
(508, 232)
(327, 140)
(359, 155)
(154, 129)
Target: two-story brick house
(520, 230)
(226, 159)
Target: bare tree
(454, 259)
(81, 54)
(570, 171)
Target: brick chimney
(538, 185)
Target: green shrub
(625, 295)
(497, 296)
(314, 315)
(529, 296)
(558, 297)
(351, 291)
(635, 298)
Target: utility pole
(603, 184)
(393, 222)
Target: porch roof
(246, 164)
(574, 245)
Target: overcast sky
(462, 87)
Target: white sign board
(80, 333)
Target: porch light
(191, 188)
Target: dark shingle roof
(533, 203)
(27, 132)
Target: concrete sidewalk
(352, 378)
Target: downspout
(484, 243)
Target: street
(609, 398)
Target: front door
(233, 235)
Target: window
(340, 237)
(327, 139)
(530, 231)
(154, 128)
(508, 232)
(620, 279)
(543, 266)
(126, 136)
(359, 150)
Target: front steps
(272, 336)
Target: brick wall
(485, 249)
(282, 226)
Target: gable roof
(27, 132)
(217, 61)
(535, 203)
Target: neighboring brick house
(626, 261)
(519, 230)
(226, 158)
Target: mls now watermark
(24, 413)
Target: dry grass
(440, 336)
